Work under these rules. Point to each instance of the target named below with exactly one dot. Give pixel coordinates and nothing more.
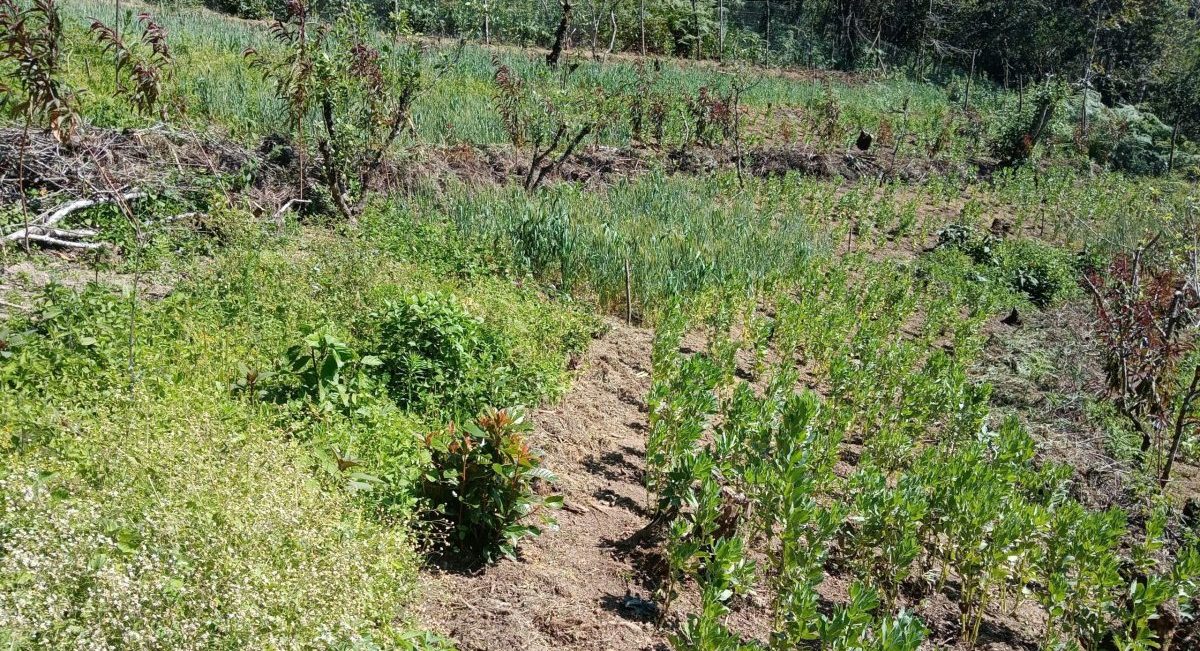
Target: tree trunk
(1084, 121)
(767, 31)
(737, 131)
(1174, 143)
(924, 37)
(612, 19)
(970, 78)
(642, 25)
(721, 30)
(628, 294)
(696, 25)
(595, 30)
(116, 52)
(559, 34)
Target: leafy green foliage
(178, 502)
(1042, 273)
(936, 492)
(67, 343)
(364, 95)
(322, 372)
(31, 59)
(486, 482)
(142, 66)
(441, 358)
(1020, 129)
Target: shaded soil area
(599, 165)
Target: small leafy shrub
(541, 115)
(441, 359)
(31, 61)
(438, 355)
(1017, 130)
(1041, 272)
(1143, 329)
(321, 372)
(483, 484)
(364, 95)
(1038, 271)
(143, 65)
(253, 9)
(981, 247)
(713, 116)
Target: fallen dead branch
(43, 228)
(154, 157)
(47, 240)
(15, 306)
(283, 210)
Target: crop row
(833, 427)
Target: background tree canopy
(1130, 51)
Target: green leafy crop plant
(940, 493)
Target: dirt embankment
(100, 161)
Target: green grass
(214, 85)
(680, 236)
(151, 496)
(180, 514)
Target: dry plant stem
(1181, 422)
(42, 229)
(61, 233)
(560, 34)
(60, 243)
(21, 181)
(737, 133)
(628, 294)
(278, 216)
(539, 169)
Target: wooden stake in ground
(628, 295)
(642, 24)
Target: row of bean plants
(833, 427)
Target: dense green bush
(483, 484)
(441, 359)
(1040, 272)
(1017, 130)
(254, 9)
(980, 247)
(439, 356)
